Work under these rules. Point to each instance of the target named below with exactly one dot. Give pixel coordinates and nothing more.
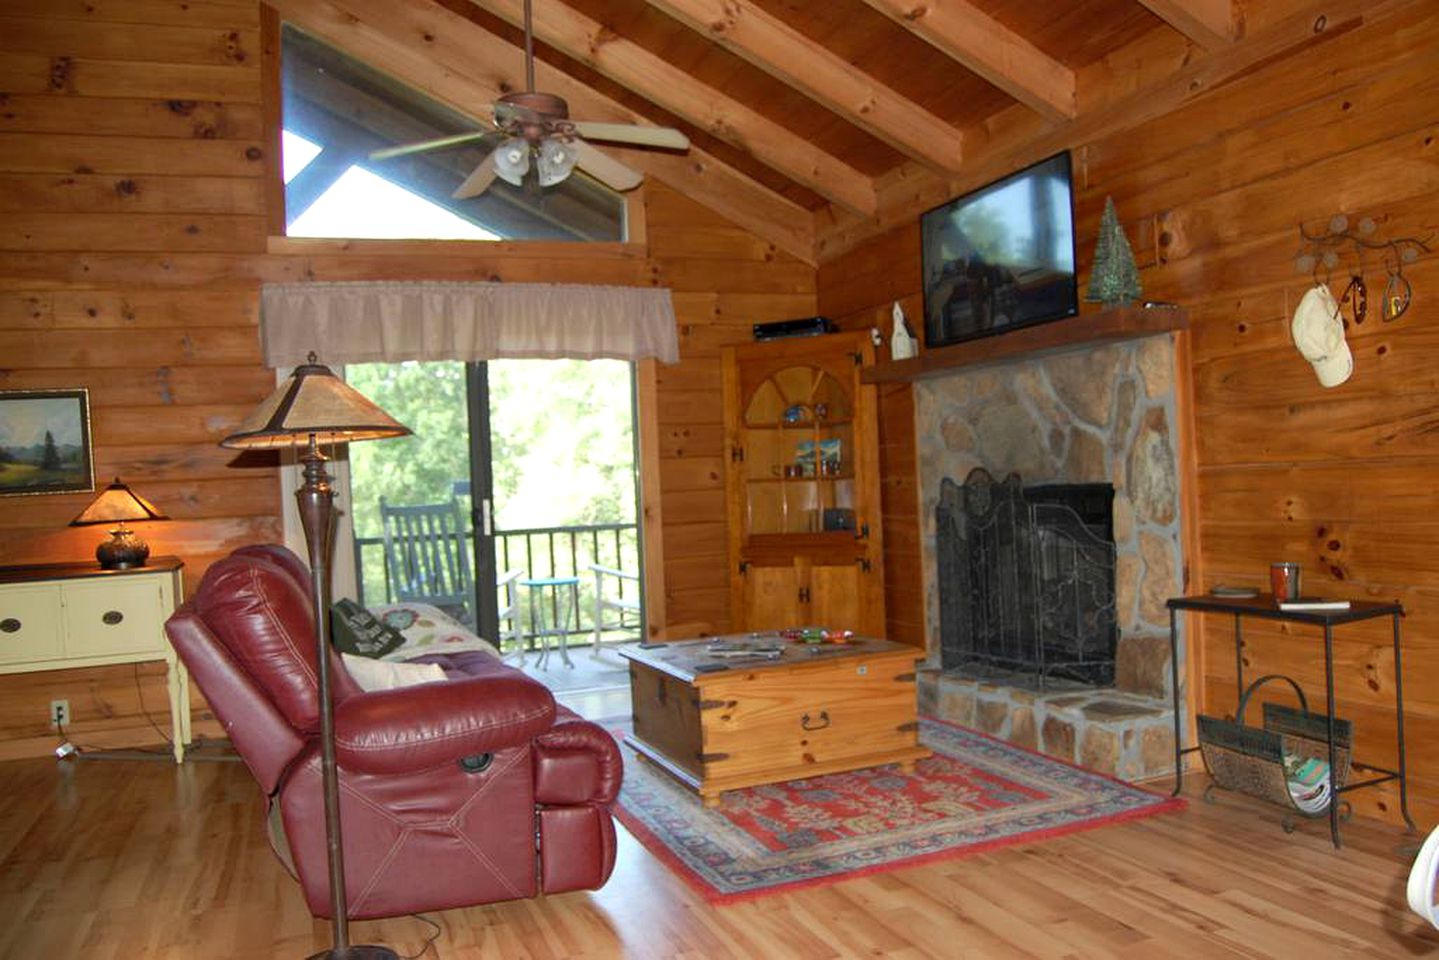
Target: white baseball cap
(1318, 332)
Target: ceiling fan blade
(479, 179)
(406, 149)
(632, 133)
(605, 169)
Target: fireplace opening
(1027, 579)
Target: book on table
(1313, 603)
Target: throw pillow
(376, 675)
(355, 630)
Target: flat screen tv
(1001, 257)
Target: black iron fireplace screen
(1026, 578)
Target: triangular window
(337, 111)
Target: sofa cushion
(264, 619)
(282, 557)
(373, 674)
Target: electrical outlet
(59, 713)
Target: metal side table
(559, 597)
(1263, 607)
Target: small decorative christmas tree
(1115, 278)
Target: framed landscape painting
(45, 442)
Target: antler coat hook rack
(1323, 250)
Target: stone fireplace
(1097, 416)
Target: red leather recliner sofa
(471, 791)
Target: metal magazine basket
(1252, 760)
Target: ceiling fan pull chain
(529, 51)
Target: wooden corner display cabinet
(802, 483)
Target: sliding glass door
(536, 459)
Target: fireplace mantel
(1061, 336)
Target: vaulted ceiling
(817, 124)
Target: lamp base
(122, 551)
(362, 952)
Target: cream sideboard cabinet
(57, 616)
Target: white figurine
(902, 346)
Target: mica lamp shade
(118, 504)
(313, 403)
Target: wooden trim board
(1060, 336)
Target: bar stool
(554, 613)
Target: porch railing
(537, 553)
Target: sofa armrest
(577, 762)
(426, 726)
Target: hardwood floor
(143, 860)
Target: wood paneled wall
(858, 291)
(1340, 480)
(131, 154)
(133, 239)
(724, 281)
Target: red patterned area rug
(975, 793)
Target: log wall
(859, 290)
(134, 202)
(1340, 480)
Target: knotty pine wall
(133, 242)
(1340, 480)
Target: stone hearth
(1118, 732)
(1100, 415)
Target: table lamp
(313, 406)
(118, 504)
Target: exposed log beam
(1016, 137)
(468, 67)
(662, 83)
(311, 183)
(790, 56)
(981, 43)
(1209, 23)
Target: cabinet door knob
(112, 617)
(10, 625)
(823, 721)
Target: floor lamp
(313, 406)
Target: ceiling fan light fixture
(555, 162)
(512, 161)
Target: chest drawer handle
(823, 721)
(10, 625)
(112, 617)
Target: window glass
(337, 111)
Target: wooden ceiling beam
(788, 55)
(632, 66)
(467, 67)
(980, 43)
(1210, 23)
(1015, 137)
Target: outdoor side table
(554, 604)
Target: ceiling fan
(538, 132)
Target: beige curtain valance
(370, 322)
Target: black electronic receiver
(802, 327)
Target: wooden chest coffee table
(720, 724)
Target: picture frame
(45, 442)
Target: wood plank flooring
(143, 860)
